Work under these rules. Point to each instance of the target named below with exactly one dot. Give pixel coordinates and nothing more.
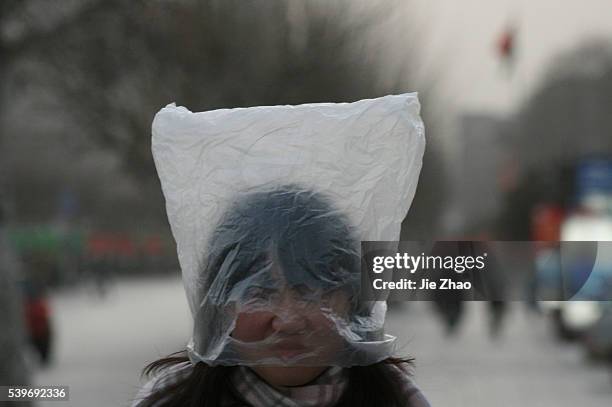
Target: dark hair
(209, 386)
(313, 241)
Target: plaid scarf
(325, 391)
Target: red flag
(506, 48)
(505, 44)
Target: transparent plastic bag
(268, 206)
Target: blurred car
(576, 271)
(588, 281)
(598, 339)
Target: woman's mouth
(288, 350)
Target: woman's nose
(289, 317)
(289, 322)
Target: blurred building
(480, 166)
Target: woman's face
(293, 326)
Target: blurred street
(103, 343)
(526, 366)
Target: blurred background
(517, 101)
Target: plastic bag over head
(268, 206)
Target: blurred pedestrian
(38, 320)
(497, 311)
(449, 304)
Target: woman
(280, 322)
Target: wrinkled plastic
(268, 206)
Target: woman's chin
(288, 376)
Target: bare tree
(108, 70)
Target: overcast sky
(462, 37)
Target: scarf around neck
(325, 391)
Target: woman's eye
(309, 298)
(337, 295)
(258, 293)
(304, 291)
